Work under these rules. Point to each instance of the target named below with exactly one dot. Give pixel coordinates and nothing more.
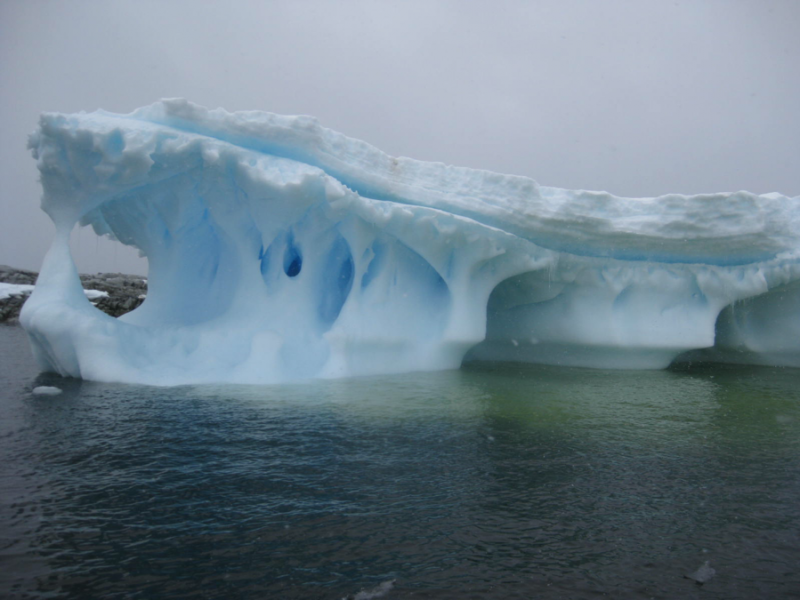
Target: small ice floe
(46, 390)
(376, 592)
(703, 574)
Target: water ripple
(499, 481)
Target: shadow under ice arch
(279, 250)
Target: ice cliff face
(280, 250)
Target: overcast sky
(636, 97)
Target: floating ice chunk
(703, 574)
(46, 390)
(280, 250)
(377, 592)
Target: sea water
(495, 481)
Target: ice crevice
(279, 250)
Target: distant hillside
(113, 293)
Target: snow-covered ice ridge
(280, 250)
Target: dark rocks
(10, 307)
(125, 292)
(19, 276)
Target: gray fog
(637, 98)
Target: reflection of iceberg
(280, 250)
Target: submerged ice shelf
(279, 250)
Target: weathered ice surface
(280, 250)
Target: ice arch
(279, 250)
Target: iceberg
(279, 250)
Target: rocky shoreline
(125, 292)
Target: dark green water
(491, 482)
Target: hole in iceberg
(375, 265)
(292, 259)
(337, 281)
(93, 253)
(264, 259)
